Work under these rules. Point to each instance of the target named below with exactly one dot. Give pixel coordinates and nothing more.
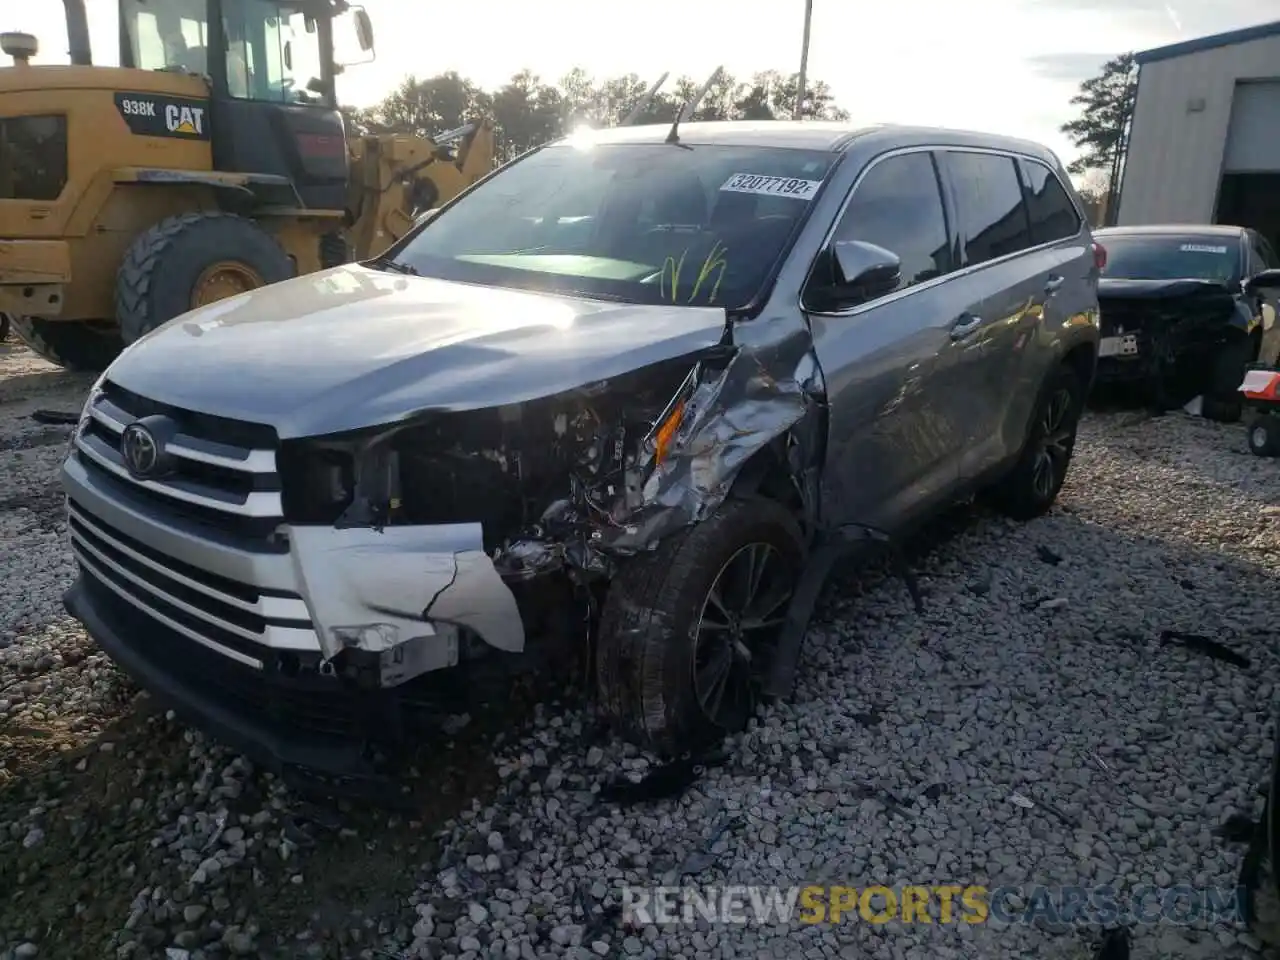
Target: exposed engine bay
(571, 482)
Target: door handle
(965, 324)
(1053, 283)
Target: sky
(1003, 66)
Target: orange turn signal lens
(667, 432)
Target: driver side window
(898, 206)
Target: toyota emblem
(140, 450)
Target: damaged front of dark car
(1180, 318)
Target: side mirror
(364, 28)
(863, 271)
(1268, 280)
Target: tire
(1265, 922)
(1265, 895)
(163, 269)
(649, 630)
(71, 344)
(1222, 400)
(1026, 491)
(1264, 436)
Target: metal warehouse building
(1204, 146)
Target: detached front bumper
(301, 656)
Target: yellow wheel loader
(212, 161)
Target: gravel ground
(1039, 653)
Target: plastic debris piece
(1115, 945)
(1202, 644)
(1048, 556)
(56, 417)
(1237, 828)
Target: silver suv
(627, 390)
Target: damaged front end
(455, 533)
(1159, 333)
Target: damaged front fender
(766, 390)
(378, 589)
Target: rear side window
(992, 216)
(898, 206)
(1053, 215)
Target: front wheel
(1222, 400)
(1031, 487)
(689, 631)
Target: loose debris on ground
(1045, 720)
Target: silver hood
(353, 347)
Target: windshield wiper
(395, 266)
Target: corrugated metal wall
(1180, 130)
(1253, 143)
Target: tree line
(1101, 132)
(528, 111)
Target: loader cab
(270, 65)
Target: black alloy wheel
(1055, 441)
(737, 632)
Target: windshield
(646, 223)
(1172, 258)
(273, 49)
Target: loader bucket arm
(396, 177)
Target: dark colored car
(1181, 316)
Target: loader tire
(71, 344)
(190, 261)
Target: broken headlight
(317, 480)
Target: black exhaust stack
(78, 33)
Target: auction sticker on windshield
(1201, 248)
(771, 186)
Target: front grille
(33, 157)
(225, 473)
(236, 620)
(270, 696)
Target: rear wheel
(82, 345)
(688, 631)
(191, 261)
(1032, 486)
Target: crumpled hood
(1118, 289)
(354, 347)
